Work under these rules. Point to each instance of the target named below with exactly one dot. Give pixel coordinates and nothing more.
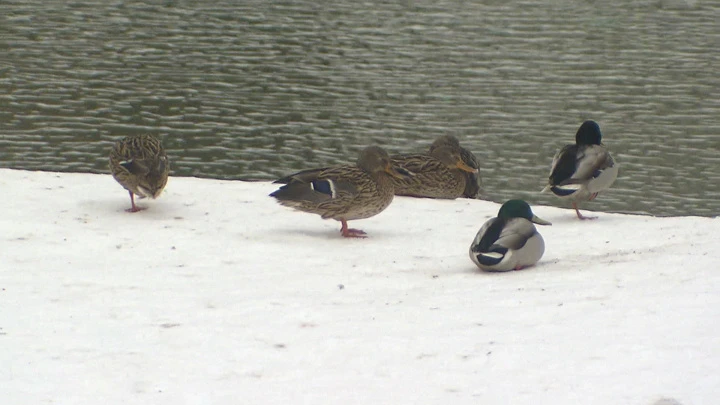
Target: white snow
(216, 294)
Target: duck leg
(351, 233)
(134, 208)
(579, 215)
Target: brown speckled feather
(432, 178)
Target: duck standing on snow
(447, 171)
(509, 241)
(343, 193)
(139, 163)
(580, 171)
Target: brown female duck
(139, 163)
(447, 171)
(343, 193)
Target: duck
(343, 193)
(472, 178)
(139, 163)
(445, 172)
(509, 241)
(582, 170)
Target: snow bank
(217, 295)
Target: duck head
(452, 158)
(520, 209)
(588, 134)
(374, 159)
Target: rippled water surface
(257, 89)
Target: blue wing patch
(324, 186)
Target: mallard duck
(509, 241)
(580, 171)
(140, 165)
(472, 179)
(343, 193)
(442, 173)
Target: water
(258, 89)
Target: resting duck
(447, 171)
(509, 241)
(580, 171)
(343, 193)
(472, 178)
(139, 163)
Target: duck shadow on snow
(542, 265)
(150, 209)
(569, 218)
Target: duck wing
(302, 176)
(498, 236)
(564, 165)
(515, 234)
(319, 185)
(591, 160)
(417, 163)
(488, 234)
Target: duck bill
(464, 167)
(398, 172)
(540, 221)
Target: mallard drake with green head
(139, 163)
(582, 170)
(343, 193)
(509, 241)
(442, 173)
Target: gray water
(258, 89)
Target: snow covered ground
(217, 295)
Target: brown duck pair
(363, 190)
